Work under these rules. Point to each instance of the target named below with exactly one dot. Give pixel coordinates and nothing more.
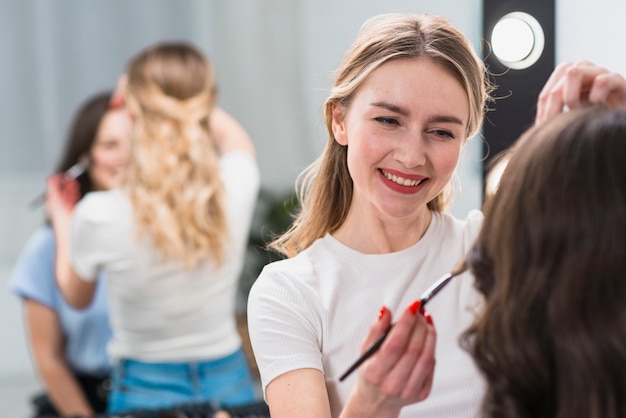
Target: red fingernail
(429, 319)
(414, 307)
(382, 312)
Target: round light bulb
(517, 40)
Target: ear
(338, 124)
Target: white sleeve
(240, 174)
(284, 325)
(93, 235)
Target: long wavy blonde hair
(173, 177)
(325, 188)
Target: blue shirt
(86, 331)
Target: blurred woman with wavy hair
(551, 261)
(172, 239)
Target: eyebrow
(404, 112)
(394, 108)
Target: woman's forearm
(65, 391)
(361, 408)
(47, 344)
(77, 292)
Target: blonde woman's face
(111, 150)
(404, 131)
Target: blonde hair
(173, 178)
(325, 187)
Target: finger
(62, 190)
(421, 379)
(550, 102)
(385, 367)
(66, 183)
(608, 89)
(53, 182)
(408, 374)
(53, 191)
(118, 97)
(577, 83)
(72, 189)
(427, 386)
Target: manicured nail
(429, 319)
(382, 312)
(414, 307)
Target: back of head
(381, 39)
(173, 177)
(550, 260)
(176, 70)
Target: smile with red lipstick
(402, 182)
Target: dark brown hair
(82, 136)
(551, 262)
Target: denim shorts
(139, 385)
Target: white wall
(273, 58)
(592, 30)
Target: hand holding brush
(70, 174)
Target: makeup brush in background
(71, 173)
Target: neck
(381, 236)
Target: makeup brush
(71, 173)
(424, 298)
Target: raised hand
(574, 85)
(61, 196)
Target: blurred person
(68, 346)
(550, 261)
(171, 239)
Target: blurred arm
(229, 134)
(47, 345)
(61, 198)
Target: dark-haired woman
(68, 346)
(550, 261)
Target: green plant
(273, 215)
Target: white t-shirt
(160, 311)
(315, 310)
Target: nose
(411, 151)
